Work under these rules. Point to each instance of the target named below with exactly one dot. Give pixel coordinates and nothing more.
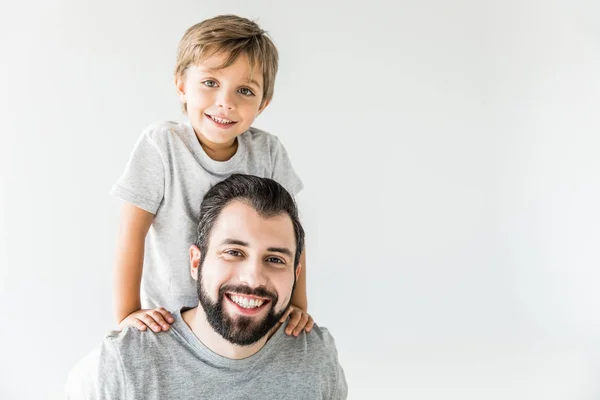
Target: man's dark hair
(267, 197)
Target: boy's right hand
(156, 319)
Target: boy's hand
(157, 319)
(299, 320)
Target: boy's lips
(221, 121)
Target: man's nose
(252, 273)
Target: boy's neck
(218, 151)
(195, 318)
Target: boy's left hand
(299, 320)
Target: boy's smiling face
(221, 103)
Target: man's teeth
(221, 121)
(246, 303)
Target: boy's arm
(299, 298)
(134, 226)
(299, 319)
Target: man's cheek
(282, 303)
(212, 284)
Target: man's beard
(242, 331)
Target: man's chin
(236, 324)
(248, 330)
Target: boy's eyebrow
(237, 242)
(253, 82)
(215, 70)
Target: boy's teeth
(245, 303)
(221, 121)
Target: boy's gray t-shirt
(168, 175)
(174, 364)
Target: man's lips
(248, 296)
(246, 304)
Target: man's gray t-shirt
(168, 175)
(174, 364)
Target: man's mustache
(260, 291)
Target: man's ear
(195, 256)
(180, 87)
(298, 269)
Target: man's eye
(234, 253)
(275, 260)
(210, 83)
(246, 92)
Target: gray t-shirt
(168, 174)
(176, 365)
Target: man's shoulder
(320, 337)
(122, 356)
(131, 341)
(122, 346)
(101, 364)
(318, 345)
(313, 356)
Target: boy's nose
(225, 100)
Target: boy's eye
(246, 92)
(210, 83)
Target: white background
(449, 151)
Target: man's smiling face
(246, 277)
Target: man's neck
(195, 318)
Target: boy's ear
(263, 106)
(195, 256)
(180, 87)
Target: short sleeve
(336, 384)
(340, 390)
(143, 181)
(283, 171)
(97, 376)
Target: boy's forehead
(215, 64)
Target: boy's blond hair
(232, 35)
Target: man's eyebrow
(282, 250)
(235, 241)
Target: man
(232, 345)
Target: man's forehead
(241, 221)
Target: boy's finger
(147, 319)
(166, 315)
(295, 318)
(310, 324)
(301, 325)
(140, 325)
(285, 315)
(159, 318)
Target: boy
(224, 77)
